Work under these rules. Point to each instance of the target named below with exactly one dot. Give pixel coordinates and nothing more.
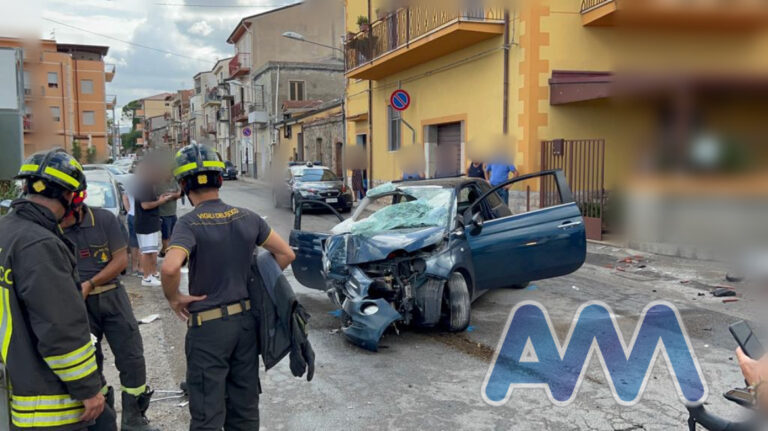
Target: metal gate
(583, 162)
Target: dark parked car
(230, 172)
(420, 252)
(317, 185)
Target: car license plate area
(332, 200)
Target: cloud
(201, 27)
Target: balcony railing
(238, 112)
(212, 96)
(109, 71)
(240, 64)
(27, 123)
(409, 24)
(111, 100)
(588, 5)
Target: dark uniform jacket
(282, 320)
(44, 335)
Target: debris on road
(723, 292)
(734, 278)
(726, 301)
(149, 319)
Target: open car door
(538, 235)
(308, 247)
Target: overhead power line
(267, 6)
(138, 45)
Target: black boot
(134, 408)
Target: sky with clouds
(194, 31)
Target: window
(27, 84)
(53, 80)
(56, 113)
(297, 90)
(86, 86)
(287, 131)
(361, 140)
(395, 131)
(88, 118)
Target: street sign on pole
(247, 132)
(400, 100)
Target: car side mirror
(5, 206)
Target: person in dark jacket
(221, 344)
(101, 256)
(45, 339)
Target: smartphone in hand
(747, 340)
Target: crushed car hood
(356, 249)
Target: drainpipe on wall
(505, 109)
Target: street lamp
(300, 37)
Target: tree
(129, 111)
(77, 152)
(90, 154)
(129, 140)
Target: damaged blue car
(419, 252)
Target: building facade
(268, 69)
(65, 97)
(315, 135)
(608, 87)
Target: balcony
(111, 100)
(240, 64)
(109, 72)
(238, 113)
(736, 14)
(212, 97)
(27, 123)
(257, 114)
(139, 113)
(418, 34)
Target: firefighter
(45, 340)
(102, 255)
(221, 342)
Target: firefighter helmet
(54, 167)
(196, 159)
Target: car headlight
(305, 193)
(369, 309)
(326, 263)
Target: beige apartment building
(65, 96)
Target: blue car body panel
(499, 252)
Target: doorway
(446, 153)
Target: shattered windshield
(390, 207)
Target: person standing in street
(476, 170)
(218, 240)
(167, 213)
(101, 256)
(498, 173)
(147, 222)
(45, 340)
(129, 202)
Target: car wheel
(347, 210)
(519, 286)
(456, 305)
(293, 204)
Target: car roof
(98, 175)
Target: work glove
(302, 356)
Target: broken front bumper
(367, 319)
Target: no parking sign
(400, 100)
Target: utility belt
(197, 319)
(103, 289)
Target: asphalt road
(430, 380)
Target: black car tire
(519, 286)
(293, 204)
(347, 210)
(457, 304)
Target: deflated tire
(457, 304)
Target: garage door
(448, 150)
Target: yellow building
(596, 87)
(65, 97)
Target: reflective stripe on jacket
(44, 331)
